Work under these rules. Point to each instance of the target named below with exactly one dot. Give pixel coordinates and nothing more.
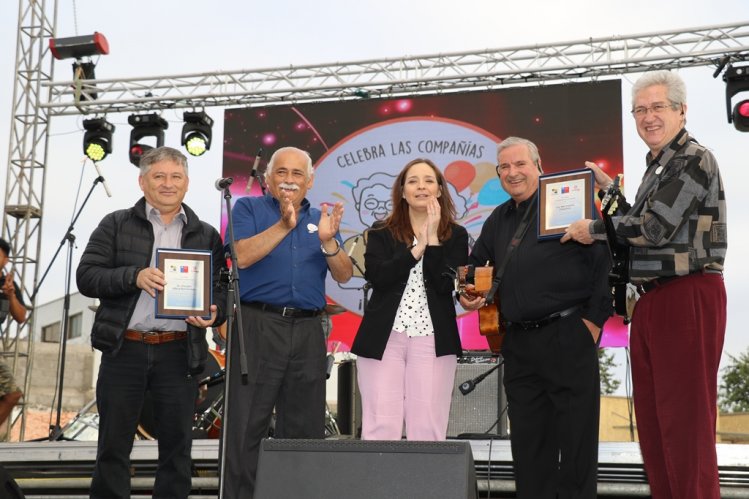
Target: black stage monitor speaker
(9, 489)
(359, 469)
(482, 409)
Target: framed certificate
(188, 276)
(563, 198)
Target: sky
(173, 37)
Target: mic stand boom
(56, 430)
(232, 308)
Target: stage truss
(37, 98)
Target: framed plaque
(188, 290)
(563, 198)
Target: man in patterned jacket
(676, 232)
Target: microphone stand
(55, 430)
(232, 308)
(365, 289)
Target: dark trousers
(677, 338)
(123, 381)
(553, 391)
(286, 363)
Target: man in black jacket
(141, 352)
(554, 299)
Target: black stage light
(145, 125)
(737, 80)
(97, 141)
(196, 132)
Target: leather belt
(284, 311)
(154, 337)
(526, 325)
(648, 286)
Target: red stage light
(741, 116)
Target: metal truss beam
(591, 58)
(24, 188)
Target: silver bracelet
(337, 248)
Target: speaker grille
(476, 412)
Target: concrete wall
(81, 368)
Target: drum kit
(209, 408)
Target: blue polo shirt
(293, 274)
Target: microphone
(353, 245)
(103, 181)
(468, 386)
(329, 362)
(253, 172)
(223, 183)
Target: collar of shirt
(520, 208)
(154, 216)
(668, 152)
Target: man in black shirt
(554, 299)
(11, 303)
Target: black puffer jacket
(118, 248)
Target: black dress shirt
(543, 277)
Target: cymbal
(334, 309)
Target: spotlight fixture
(145, 125)
(97, 141)
(737, 80)
(76, 47)
(196, 132)
(79, 47)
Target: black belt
(526, 325)
(647, 287)
(283, 311)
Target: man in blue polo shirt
(285, 248)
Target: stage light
(196, 132)
(741, 116)
(737, 80)
(79, 46)
(97, 141)
(145, 125)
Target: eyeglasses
(658, 108)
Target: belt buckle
(290, 310)
(150, 337)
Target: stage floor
(63, 468)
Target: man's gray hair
(675, 87)
(305, 154)
(517, 141)
(158, 154)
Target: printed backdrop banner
(359, 146)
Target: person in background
(11, 304)
(553, 300)
(407, 344)
(677, 236)
(285, 248)
(142, 353)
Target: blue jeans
(123, 381)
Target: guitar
(612, 201)
(478, 281)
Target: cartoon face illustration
(372, 197)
